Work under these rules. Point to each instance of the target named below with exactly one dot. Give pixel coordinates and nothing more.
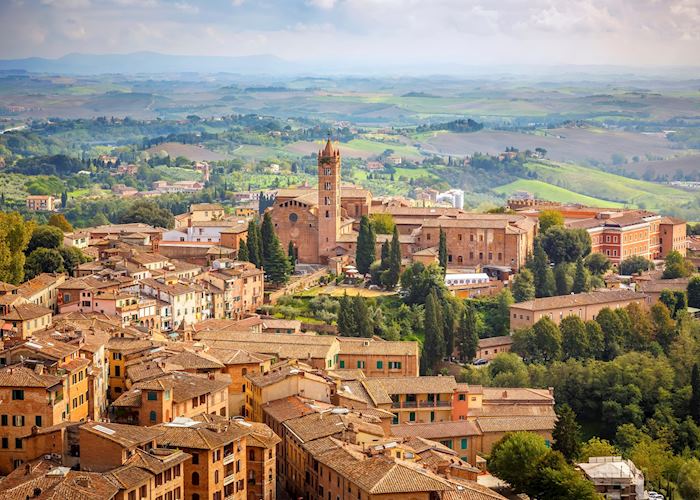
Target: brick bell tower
(328, 200)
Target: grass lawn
(339, 291)
(551, 192)
(378, 147)
(413, 173)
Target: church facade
(322, 223)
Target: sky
(364, 32)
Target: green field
(609, 187)
(550, 192)
(378, 147)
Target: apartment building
(461, 436)
(107, 445)
(240, 285)
(585, 305)
(42, 290)
(165, 397)
(41, 203)
(216, 468)
(119, 351)
(22, 320)
(180, 302)
(379, 358)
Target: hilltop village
(162, 367)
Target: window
(195, 478)
(432, 416)
(447, 442)
(412, 416)
(18, 443)
(293, 217)
(117, 371)
(380, 365)
(37, 420)
(464, 443)
(152, 416)
(144, 491)
(360, 364)
(18, 420)
(462, 397)
(5, 443)
(159, 480)
(195, 458)
(152, 396)
(394, 365)
(395, 419)
(216, 477)
(17, 395)
(3, 420)
(342, 363)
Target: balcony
(229, 479)
(420, 404)
(228, 459)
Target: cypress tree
(442, 251)
(254, 244)
(542, 272)
(449, 312)
(275, 261)
(695, 396)
(434, 346)
(361, 313)
(581, 278)
(385, 255)
(243, 251)
(567, 434)
(390, 277)
(64, 200)
(291, 254)
(366, 241)
(346, 318)
(467, 334)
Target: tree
(507, 369)
(547, 339)
(291, 254)
(15, 234)
(676, 301)
(45, 237)
(664, 326)
(390, 277)
(59, 221)
(243, 251)
(635, 265)
(442, 251)
(275, 261)
(613, 331)
(596, 339)
(689, 479)
(450, 313)
(567, 433)
(523, 286)
(554, 479)
(366, 249)
(72, 258)
(255, 244)
(43, 260)
(641, 329)
(542, 272)
(677, 266)
(596, 447)
(694, 292)
(467, 334)
(574, 338)
(384, 255)
(566, 245)
(695, 394)
(361, 313)
(563, 279)
(382, 223)
(147, 212)
(550, 218)
(515, 457)
(434, 346)
(598, 264)
(417, 281)
(347, 327)
(582, 281)
(501, 316)
(64, 200)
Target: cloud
(321, 4)
(67, 4)
(186, 7)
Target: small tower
(328, 200)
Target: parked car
(480, 361)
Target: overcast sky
(400, 32)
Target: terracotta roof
(437, 430)
(184, 386)
(470, 490)
(24, 312)
(516, 394)
(39, 283)
(195, 360)
(237, 356)
(288, 408)
(413, 385)
(495, 341)
(318, 425)
(372, 346)
(579, 299)
(276, 375)
(128, 436)
(157, 460)
(513, 424)
(197, 435)
(656, 286)
(19, 376)
(129, 476)
(7, 287)
(48, 347)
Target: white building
(454, 197)
(614, 477)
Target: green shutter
(380, 365)
(464, 443)
(342, 363)
(412, 416)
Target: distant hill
(149, 62)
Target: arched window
(195, 496)
(244, 371)
(152, 416)
(195, 479)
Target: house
(461, 436)
(77, 239)
(170, 395)
(42, 203)
(652, 288)
(490, 347)
(42, 290)
(217, 450)
(379, 358)
(614, 477)
(23, 320)
(584, 305)
(106, 445)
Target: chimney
(505, 394)
(27, 469)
